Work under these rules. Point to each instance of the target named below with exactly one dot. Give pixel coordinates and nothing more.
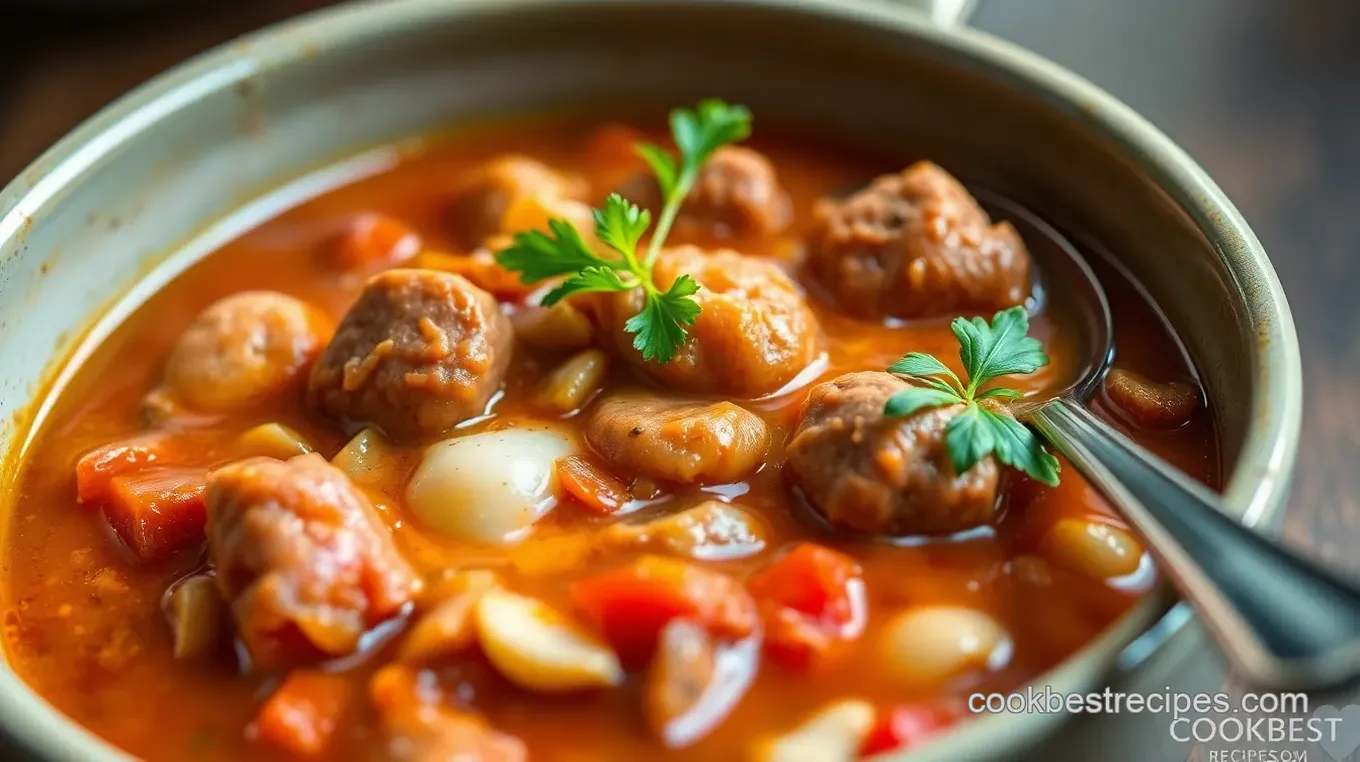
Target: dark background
(1263, 93)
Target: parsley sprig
(988, 352)
(659, 328)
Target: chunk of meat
(303, 557)
(485, 195)
(870, 474)
(753, 335)
(916, 244)
(372, 241)
(678, 441)
(810, 599)
(98, 467)
(244, 349)
(737, 195)
(418, 726)
(304, 713)
(1149, 404)
(711, 530)
(158, 511)
(630, 605)
(418, 353)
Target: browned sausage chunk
(892, 476)
(419, 352)
(244, 349)
(737, 195)
(755, 332)
(1149, 404)
(303, 558)
(678, 441)
(916, 244)
(484, 196)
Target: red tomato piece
(816, 581)
(372, 241)
(99, 466)
(591, 485)
(630, 605)
(906, 727)
(158, 511)
(302, 715)
(792, 638)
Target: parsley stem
(668, 214)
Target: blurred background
(1263, 93)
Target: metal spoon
(1284, 621)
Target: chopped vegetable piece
(99, 466)
(274, 440)
(447, 628)
(480, 268)
(819, 582)
(198, 617)
(559, 328)
(792, 638)
(591, 484)
(158, 511)
(630, 605)
(420, 727)
(303, 714)
(372, 241)
(711, 530)
(367, 459)
(694, 683)
(539, 649)
(906, 727)
(573, 383)
(834, 734)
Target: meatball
(893, 476)
(678, 441)
(755, 332)
(419, 352)
(916, 244)
(243, 349)
(737, 195)
(303, 557)
(482, 198)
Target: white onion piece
(488, 487)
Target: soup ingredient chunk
(303, 557)
(488, 487)
(573, 383)
(244, 349)
(693, 683)
(754, 332)
(678, 441)
(1094, 548)
(198, 617)
(592, 485)
(372, 241)
(928, 645)
(810, 599)
(907, 727)
(538, 648)
(302, 716)
(1150, 404)
(97, 468)
(485, 195)
(447, 627)
(418, 353)
(419, 726)
(711, 530)
(274, 440)
(736, 195)
(870, 473)
(157, 511)
(631, 604)
(834, 734)
(916, 244)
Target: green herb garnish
(659, 328)
(987, 352)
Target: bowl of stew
(300, 465)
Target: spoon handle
(1284, 621)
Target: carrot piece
(158, 511)
(374, 240)
(591, 485)
(906, 727)
(302, 715)
(815, 581)
(99, 466)
(630, 605)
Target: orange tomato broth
(83, 622)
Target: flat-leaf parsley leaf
(987, 352)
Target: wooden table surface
(1264, 93)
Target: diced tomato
(591, 485)
(303, 714)
(906, 727)
(809, 600)
(630, 605)
(158, 511)
(373, 241)
(818, 582)
(99, 466)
